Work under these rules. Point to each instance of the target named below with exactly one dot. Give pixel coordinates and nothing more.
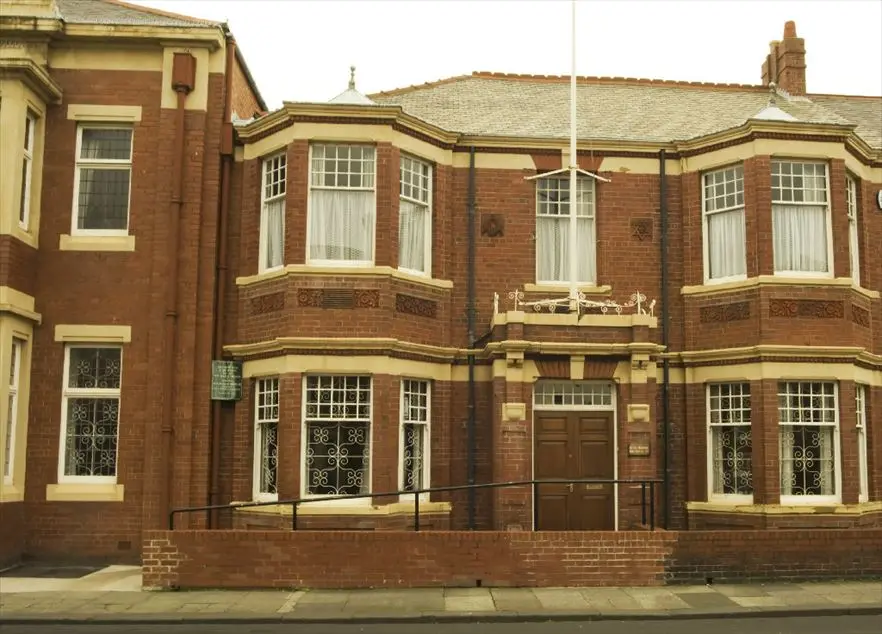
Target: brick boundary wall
(392, 559)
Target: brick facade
(177, 448)
(276, 559)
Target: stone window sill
(96, 243)
(84, 492)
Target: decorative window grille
(27, 165)
(572, 394)
(12, 409)
(853, 234)
(272, 212)
(103, 175)
(553, 230)
(415, 216)
(861, 424)
(337, 419)
(808, 420)
(800, 217)
(730, 439)
(91, 400)
(725, 254)
(266, 438)
(342, 204)
(415, 419)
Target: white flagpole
(573, 167)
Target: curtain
(726, 244)
(785, 459)
(341, 225)
(273, 228)
(800, 237)
(553, 249)
(413, 220)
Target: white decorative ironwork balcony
(636, 304)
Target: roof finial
(352, 77)
(773, 93)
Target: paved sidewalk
(111, 595)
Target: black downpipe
(666, 368)
(470, 320)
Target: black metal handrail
(457, 487)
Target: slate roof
(121, 13)
(614, 109)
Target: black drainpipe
(666, 369)
(470, 318)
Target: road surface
(790, 625)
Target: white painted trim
(62, 447)
(263, 228)
(828, 207)
(723, 498)
(809, 500)
(303, 444)
(24, 211)
(613, 407)
(430, 233)
(13, 394)
(98, 163)
(573, 210)
(863, 458)
(309, 187)
(257, 459)
(427, 448)
(705, 245)
(854, 231)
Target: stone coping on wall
(861, 508)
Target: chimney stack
(785, 63)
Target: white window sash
(24, 214)
(12, 409)
(828, 445)
(715, 448)
(553, 235)
(723, 225)
(341, 221)
(854, 251)
(272, 213)
(264, 427)
(335, 424)
(425, 441)
(88, 393)
(801, 230)
(118, 165)
(414, 237)
(861, 394)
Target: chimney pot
(789, 29)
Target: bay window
(801, 218)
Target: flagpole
(573, 167)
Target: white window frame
(408, 416)
(836, 496)
(304, 441)
(67, 393)
(12, 408)
(854, 250)
(265, 415)
(268, 169)
(861, 395)
(424, 200)
(310, 261)
(590, 205)
(824, 205)
(738, 390)
(24, 212)
(707, 181)
(115, 164)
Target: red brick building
(392, 273)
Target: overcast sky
(301, 50)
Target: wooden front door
(575, 445)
